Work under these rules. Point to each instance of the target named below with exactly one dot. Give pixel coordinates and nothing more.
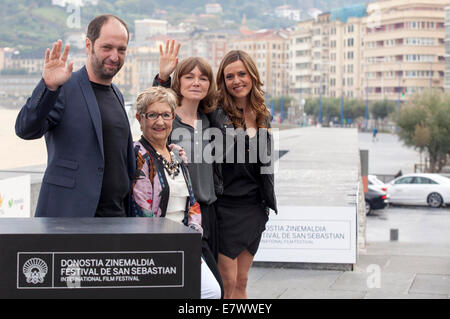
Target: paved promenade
(388, 154)
(415, 266)
(386, 270)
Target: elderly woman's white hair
(153, 95)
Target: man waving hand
(91, 160)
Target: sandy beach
(16, 152)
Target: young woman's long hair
(255, 97)
(208, 104)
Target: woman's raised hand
(180, 150)
(168, 59)
(56, 73)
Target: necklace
(172, 168)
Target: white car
(377, 184)
(420, 189)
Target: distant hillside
(32, 25)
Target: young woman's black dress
(241, 215)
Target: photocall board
(98, 258)
(310, 235)
(15, 197)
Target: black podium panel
(98, 258)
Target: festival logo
(35, 270)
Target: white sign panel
(310, 235)
(15, 197)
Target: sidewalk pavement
(388, 154)
(387, 270)
(418, 268)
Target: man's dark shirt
(115, 132)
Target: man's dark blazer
(71, 122)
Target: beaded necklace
(172, 168)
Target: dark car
(375, 199)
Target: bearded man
(91, 162)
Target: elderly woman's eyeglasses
(166, 116)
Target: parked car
(375, 199)
(420, 189)
(376, 183)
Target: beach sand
(16, 152)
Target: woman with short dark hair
(193, 82)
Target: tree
(331, 108)
(421, 138)
(425, 124)
(353, 108)
(381, 109)
(277, 103)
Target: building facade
(404, 48)
(325, 55)
(386, 50)
(300, 58)
(270, 51)
(287, 12)
(210, 45)
(140, 67)
(447, 50)
(148, 28)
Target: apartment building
(137, 74)
(147, 28)
(320, 55)
(270, 51)
(288, 12)
(404, 48)
(346, 51)
(211, 45)
(31, 64)
(3, 53)
(447, 50)
(383, 50)
(300, 58)
(325, 54)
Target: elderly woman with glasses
(162, 186)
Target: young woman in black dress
(245, 189)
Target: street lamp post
(399, 92)
(320, 100)
(342, 109)
(431, 74)
(367, 99)
(285, 68)
(301, 98)
(320, 91)
(367, 64)
(342, 97)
